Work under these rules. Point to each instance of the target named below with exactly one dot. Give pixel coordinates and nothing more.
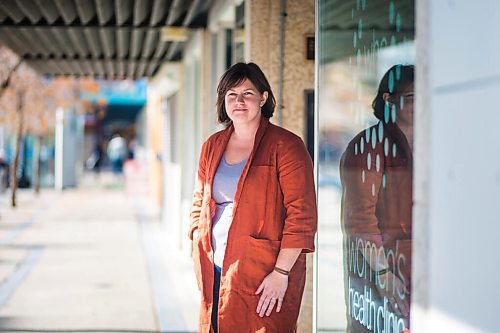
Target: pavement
(92, 259)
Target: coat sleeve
(198, 191)
(296, 177)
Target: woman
(376, 174)
(254, 213)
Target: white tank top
(223, 190)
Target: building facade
(405, 226)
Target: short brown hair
(394, 82)
(233, 77)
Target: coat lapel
(258, 138)
(220, 147)
(217, 151)
(401, 142)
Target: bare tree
(10, 62)
(23, 84)
(27, 105)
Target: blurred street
(91, 259)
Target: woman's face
(243, 103)
(404, 106)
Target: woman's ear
(387, 98)
(263, 98)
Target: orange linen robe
(274, 208)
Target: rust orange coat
(274, 208)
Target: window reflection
(376, 212)
(365, 110)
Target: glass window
(239, 34)
(366, 53)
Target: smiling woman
(243, 103)
(254, 213)
(244, 78)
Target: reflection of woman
(254, 213)
(376, 174)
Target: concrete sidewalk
(91, 259)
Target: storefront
(390, 135)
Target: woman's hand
(273, 289)
(392, 283)
(195, 234)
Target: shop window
(366, 58)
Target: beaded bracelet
(281, 271)
(383, 271)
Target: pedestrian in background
(4, 172)
(254, 213)
(94, 162)
(117, 152)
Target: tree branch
(5, 84)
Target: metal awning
(100, 38)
